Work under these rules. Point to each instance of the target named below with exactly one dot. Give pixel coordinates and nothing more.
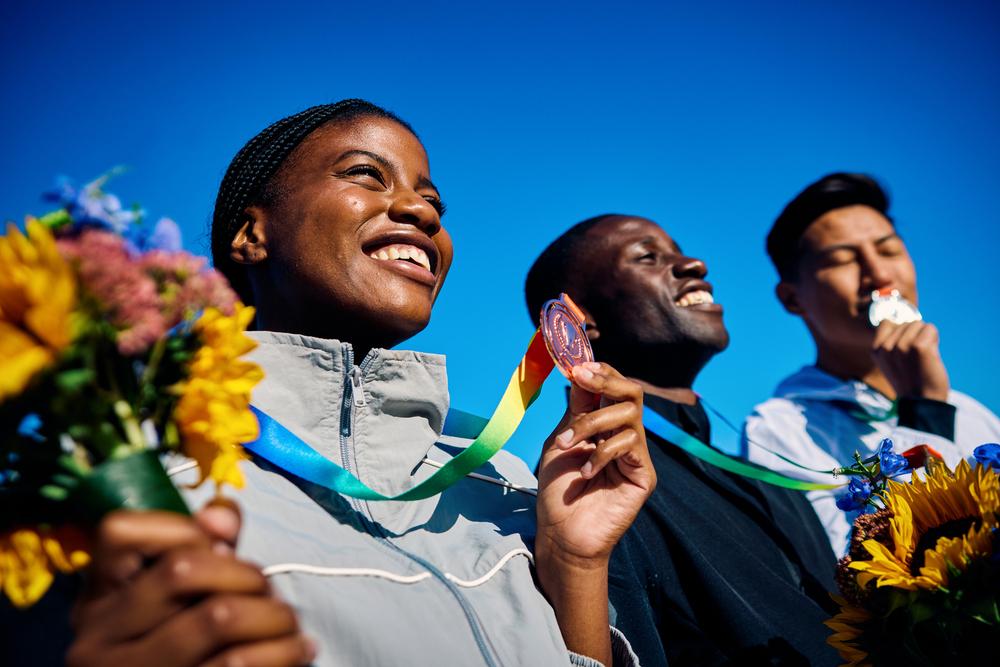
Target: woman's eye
(366, 170)
(648, 258)
(437, 204)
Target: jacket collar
(811, 383)
(376, 417)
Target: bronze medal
(562, 327)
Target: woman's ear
(249, 246)
(789, 297)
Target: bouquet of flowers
(115, 347)
(921, 581)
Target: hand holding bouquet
(115, 347)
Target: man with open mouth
(717, 568)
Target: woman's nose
(412, 209)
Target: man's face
(644, 290)
(846, 254)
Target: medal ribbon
(286, 450)
(673, 434)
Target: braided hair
(251, 176)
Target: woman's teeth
(404, 252)
(695, 298)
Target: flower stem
(130, 425)
(154, 361)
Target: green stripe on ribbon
(673, 434)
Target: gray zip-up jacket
(442, 581)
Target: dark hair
(828, 193)
(553, 271)
(250, 178)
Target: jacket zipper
(354, 396)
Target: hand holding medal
(595, 472)
(906, 348)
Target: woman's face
(352, 247)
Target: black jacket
(721, 569)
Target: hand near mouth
(909, 357)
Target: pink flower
(124, 293)
(186, 285)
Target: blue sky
(706, 118)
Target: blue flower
(166, 236)
(858, 493)
(890, 464)
(988, 455)
(90, 206)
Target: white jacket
(819, 421)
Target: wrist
(566, 577)
(577, 589)
(551, 556)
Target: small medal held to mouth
(890, 305)
(563, 330)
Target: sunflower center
(929, 540)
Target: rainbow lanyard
(287, 451)
(284, 449)
(666, 430)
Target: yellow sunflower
(29, 558)
(847, 630)
(37, 298)
(941, 522)
(213, 413)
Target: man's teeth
(695, 298)
(404, 252)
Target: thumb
(221, 519)
(581, 400)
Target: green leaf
(75, 379)
(920, 611)
(56, 219)
(53, 492)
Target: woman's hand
(593, 478)
(167, 590)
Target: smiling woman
(329, 224)
(329, 229)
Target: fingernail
(222, 549)
(592, 365)
(582, 372)
(310, 648)
(222, 519)
(565, 437)
(586, 469)
(127, 567)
